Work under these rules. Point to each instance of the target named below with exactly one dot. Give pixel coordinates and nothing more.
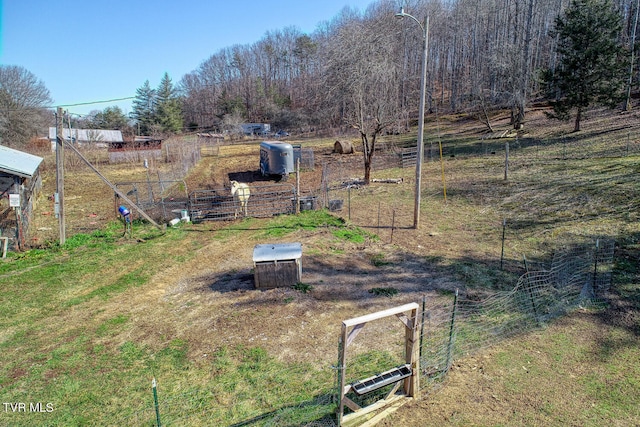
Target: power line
(94, 102)
(48, 107)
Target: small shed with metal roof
(87, 136)
(277, 265)
(20, 183)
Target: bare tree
(361, 79)
(23, 98)
(482, 56)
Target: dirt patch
(210, 301)
(524, 381)
(218, 305)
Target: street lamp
(420, 154)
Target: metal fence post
(424, 303)
(504, 226)
(451, 332)
(595, 266)
(530, 291)
(155, 402)
(349, 202)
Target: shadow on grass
(318, 411)
(623, 310)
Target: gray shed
(277, 265)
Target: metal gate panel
(265, 200)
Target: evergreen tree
(143, 107)
(110, 118)
(168, 108)
(591, 68)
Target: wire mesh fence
(579, 275)
(452, 326)
(161, 200)
(619, 143)
(264, 201)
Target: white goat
(240, 193)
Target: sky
(86, 51)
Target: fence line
(579, 275)
(623, 143)
(161, 200)
(264, 201)
(452, 327)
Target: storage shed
(20, 183)
(100, 137)
(277, 265)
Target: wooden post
(412, 357)
(350, 329)
(18, 210)
(5, 245)
(341, 370)
(506, 160)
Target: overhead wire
(48, 107)
(92, 102)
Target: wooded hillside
(482, 55)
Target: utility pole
(59, 196)
(423, 89)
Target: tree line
(362, 70)
(483, 55)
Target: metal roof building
(86, 136)
(14, 163)
(20, 183)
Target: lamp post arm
(423, 27)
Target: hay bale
(343, 147)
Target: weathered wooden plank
(380, 314)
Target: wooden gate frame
(411, 384)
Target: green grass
(302, 287)
(379, 260)
(111, 326)
(58, 345)
(306, 220)
(384, 292)
(90, 379)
